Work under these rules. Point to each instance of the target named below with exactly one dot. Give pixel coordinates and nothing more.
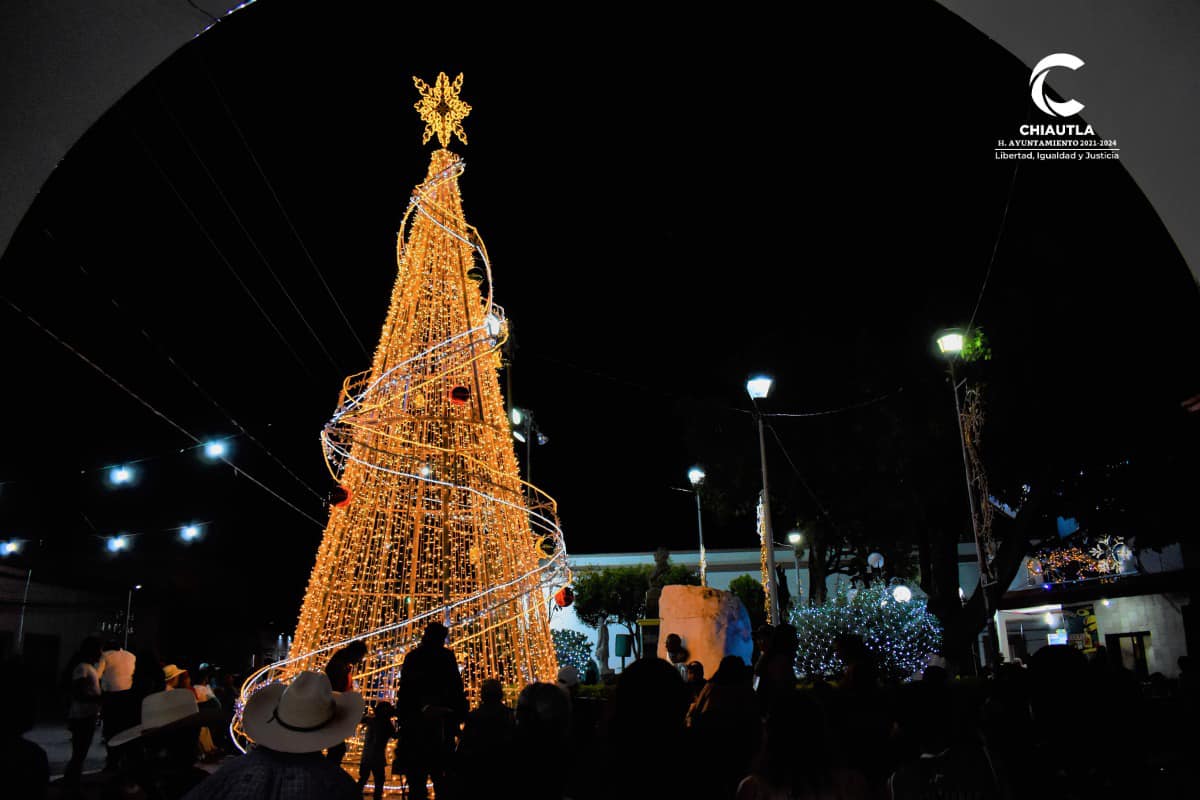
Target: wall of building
(1160, 614)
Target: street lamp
(950, 345)
(796, 540)
(128, 608)
(696, 477)
(758, 388)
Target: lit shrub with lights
(900, 632)
(573, 650)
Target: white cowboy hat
(159, 711)
(302, 717)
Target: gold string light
(438, 524)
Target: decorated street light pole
(950, 345)
(696, 476)
(758, 388)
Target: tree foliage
(749, 590)
(613, 594)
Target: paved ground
(55, 739)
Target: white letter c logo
(1038, 90)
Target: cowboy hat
(160, 711)
(304, 716)
(171, 671)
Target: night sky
(670, 204)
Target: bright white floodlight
(696, 476)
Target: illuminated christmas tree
(432, 521)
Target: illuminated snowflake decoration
(441, 110)
(1110, 552)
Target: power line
(820, 506)
(282, 210)
(254, 244)
(1012, 183)
(850, 407)
(162, 351)
(212, 243)
(155, 411)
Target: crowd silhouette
(1067, 725)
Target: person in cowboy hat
(290, 724)
(159, 753)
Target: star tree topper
(441, 110)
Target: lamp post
(128, 608)
(796, 540)
(759, 387)
(696, 477)
(950, 345)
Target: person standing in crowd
(118, 703)
(176, 678)
(84, 709)
(24, 765)
(431, 705)
(486, 741)
(159, 753)
(695, 679)
(340, 671)
(372, 766)
(290, 725)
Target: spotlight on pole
(215, 449)
(795, 538)
(517, 416)
(117, 544)
(696, 476)
(520, 437)
(120, 476)
(10, 548)
(189, 533)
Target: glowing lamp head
(117, 544)
(189, 533)
(215, 449)
(795, 537)
(902, 594)
(10, 548)
(520, 437)
(759, 387)
(875, 560)
(517, 416)
(696, 476)
(950, 343)
(542, 438)
(120, 476)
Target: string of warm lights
(433, 521)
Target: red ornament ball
(339, 497)
(459, 395)
(564, 597)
